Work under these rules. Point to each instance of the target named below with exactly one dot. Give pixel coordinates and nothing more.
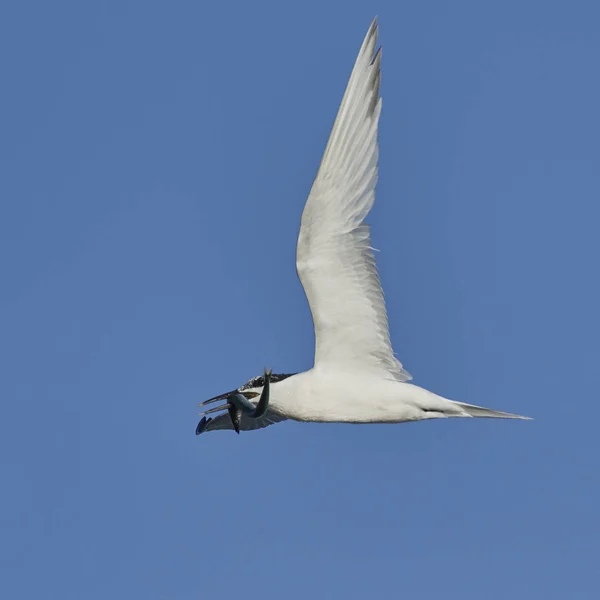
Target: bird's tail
(478, 411)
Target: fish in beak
(238, 404)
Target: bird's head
(238, 403)
(252, 388)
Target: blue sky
(156, 157)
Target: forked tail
(478, 411)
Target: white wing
(334, 257)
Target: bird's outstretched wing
(223, 421)
(334, 256)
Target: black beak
(216, 398)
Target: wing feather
(334, 258)
(223, 421)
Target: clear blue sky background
(155, 160)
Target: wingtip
(201, 427)
(376, 61)
(374, 28)
(372, 34)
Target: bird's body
(345, 397)
(356, 378)
(325, 396)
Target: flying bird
(355, 378)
